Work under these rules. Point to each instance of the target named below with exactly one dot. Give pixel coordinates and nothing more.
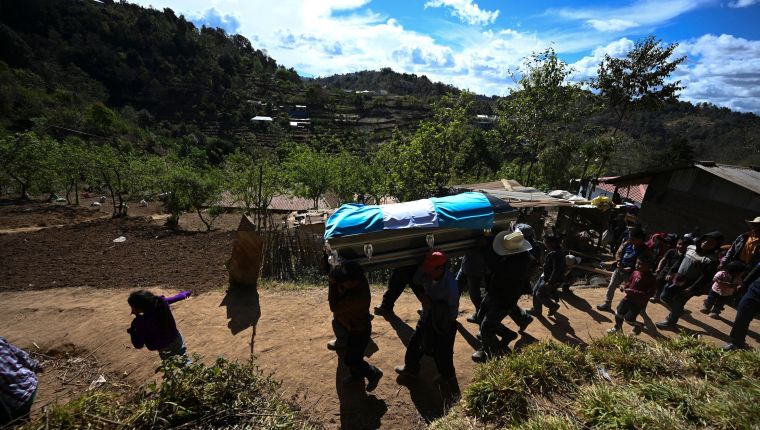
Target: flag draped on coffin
(467, 210)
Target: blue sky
(474, 43)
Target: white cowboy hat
(754, 221)
(508, 243)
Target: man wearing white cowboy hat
(746, 247)
(510, 267)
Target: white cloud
(307, 35)
(586, 67)
(742, 3)
(613, 24)
(723, 70)
(640, 13)
(466, 11)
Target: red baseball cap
(434, 259)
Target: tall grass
(225, 394)
(617, 382)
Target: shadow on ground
(243, 310)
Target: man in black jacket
(510, 265)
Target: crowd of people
(662, 268)
(659, 268)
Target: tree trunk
(200, 215)
(76, 191)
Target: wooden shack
(707, 195)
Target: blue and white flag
(467, 210)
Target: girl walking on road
(153, 326)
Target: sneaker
(614, 330)
(509, 337)
(403, 371)
(533, 311)
(665, 325)
(733, 347)
(705, 310)
(525, 323)
(604, 307)
(473, 319)
(715, 315)
(553, 310)
(654, 300)
(336, 344)
(419, 312)
(479, 356)
(373, 380)
(383, 310)
(636, 329)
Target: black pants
(491, 325)
(748, 307)
(442, 349)
(354, 356)
(628, 311)
(542, 295)
(472, 283)
(714, 302)
(400, 278)
(676, 298)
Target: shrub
(682, 383)
(221, 395)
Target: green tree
(72, 160)
(26, 158)
(347, 171)
(640, 80)
(543, 116)
(253, 182)
(309, 172)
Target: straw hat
(509, 243)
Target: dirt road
(289, 331)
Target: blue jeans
(715, 302)
(542, 295)
(748, 307)
(676, 298)
(177, 347)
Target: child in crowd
(552, 276)
(626, 257)
(725, 283)
(639, 288)
(668, 266)
(154, 326)
(349, 300)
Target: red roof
(634, 192)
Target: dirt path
(291, 330)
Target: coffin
(397, 235)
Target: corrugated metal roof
(514, 193)
(743, 176)
(280, 202)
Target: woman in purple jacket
(154, 326)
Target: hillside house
(707, 195)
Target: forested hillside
(123, 87)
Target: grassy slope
(672, 384)
(223, 395)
